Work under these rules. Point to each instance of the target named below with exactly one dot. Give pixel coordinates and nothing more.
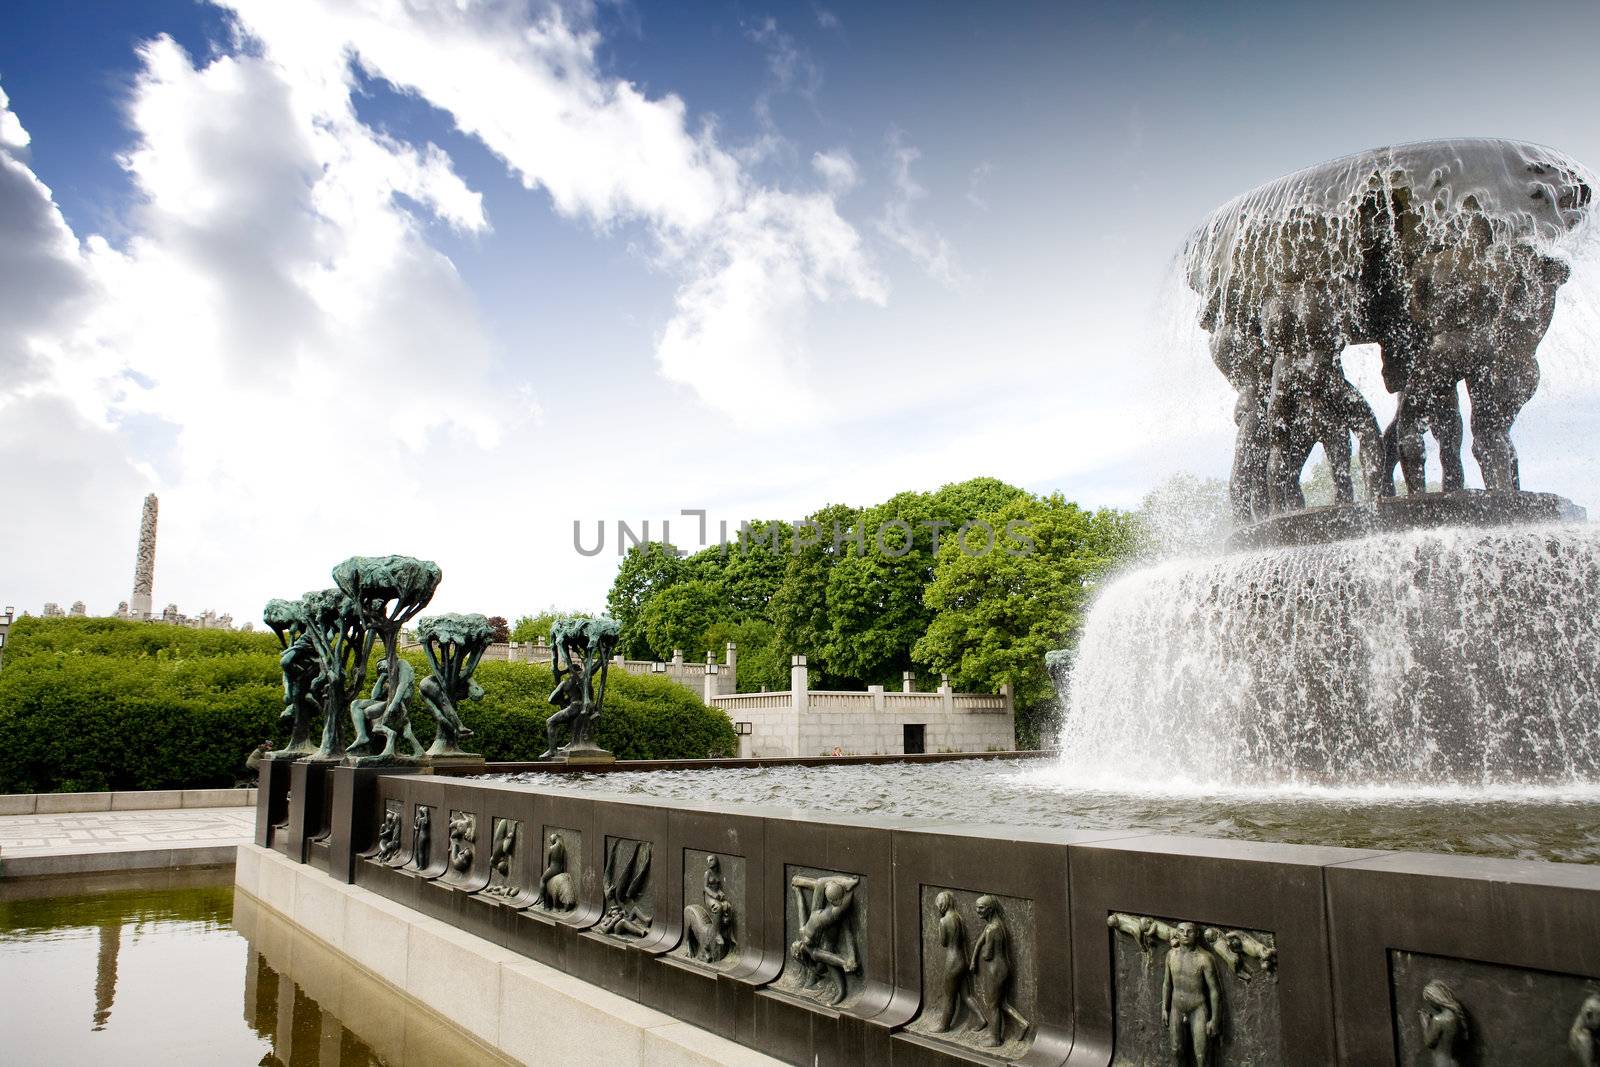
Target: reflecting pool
(169, 967)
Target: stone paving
(102, 840)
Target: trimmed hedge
(107, 704)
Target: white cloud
(926, 247)
(12, 135)
(838, 169)
(977, 182)
(273, 332)
(533, 93)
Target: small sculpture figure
(991, 968)
(303, 679)
(344, 645)
(1191, 998)
(624, 887)
(388, 592)
(1229, 949)
(557, 890)
(454, 644)
(579, 647)
(503, 847)
(1139, 929)
(708, 927)
(826, 947)
(252, 763)
(368, 714)
(1584, 1037)
(1444, 1024)
(389, 834)
(419, 838)
(957, 991)
(463, 834)
(1251, 947)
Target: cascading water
(1404, 642)
(1429, 657)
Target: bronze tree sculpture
(388, 591)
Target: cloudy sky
(442, 277)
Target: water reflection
(317, 1009)
(168, 967)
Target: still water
(1547, 823)
(170, 968)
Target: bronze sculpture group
(1442, 253)
(327, 638)
(580, 648)
(1194, 965)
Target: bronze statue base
(454, 759)
(583, 755)
(1463, 507)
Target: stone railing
(734, 703)
(693, 676)
(866, 940)
(806, 722)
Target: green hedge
(97, 704)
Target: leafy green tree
(994, 616)
(530, 628)
(875, 596)
(678, 618)
(763, 662)
(799, 606)
(646, 570)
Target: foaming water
(1549, 823)
(1454, 659)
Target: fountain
(1435, 638)
(1410, 662)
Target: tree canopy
(977, 579)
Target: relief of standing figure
(1444, 1024)
(991, 969)
(419, 838)
(953, 939)
(1191, 996)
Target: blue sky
(442, 279)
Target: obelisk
(144, 570)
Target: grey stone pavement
(75, 842)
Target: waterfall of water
(1436, 657)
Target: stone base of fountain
(1464, 507)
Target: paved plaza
(74, 842)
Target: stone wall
(862, 940)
